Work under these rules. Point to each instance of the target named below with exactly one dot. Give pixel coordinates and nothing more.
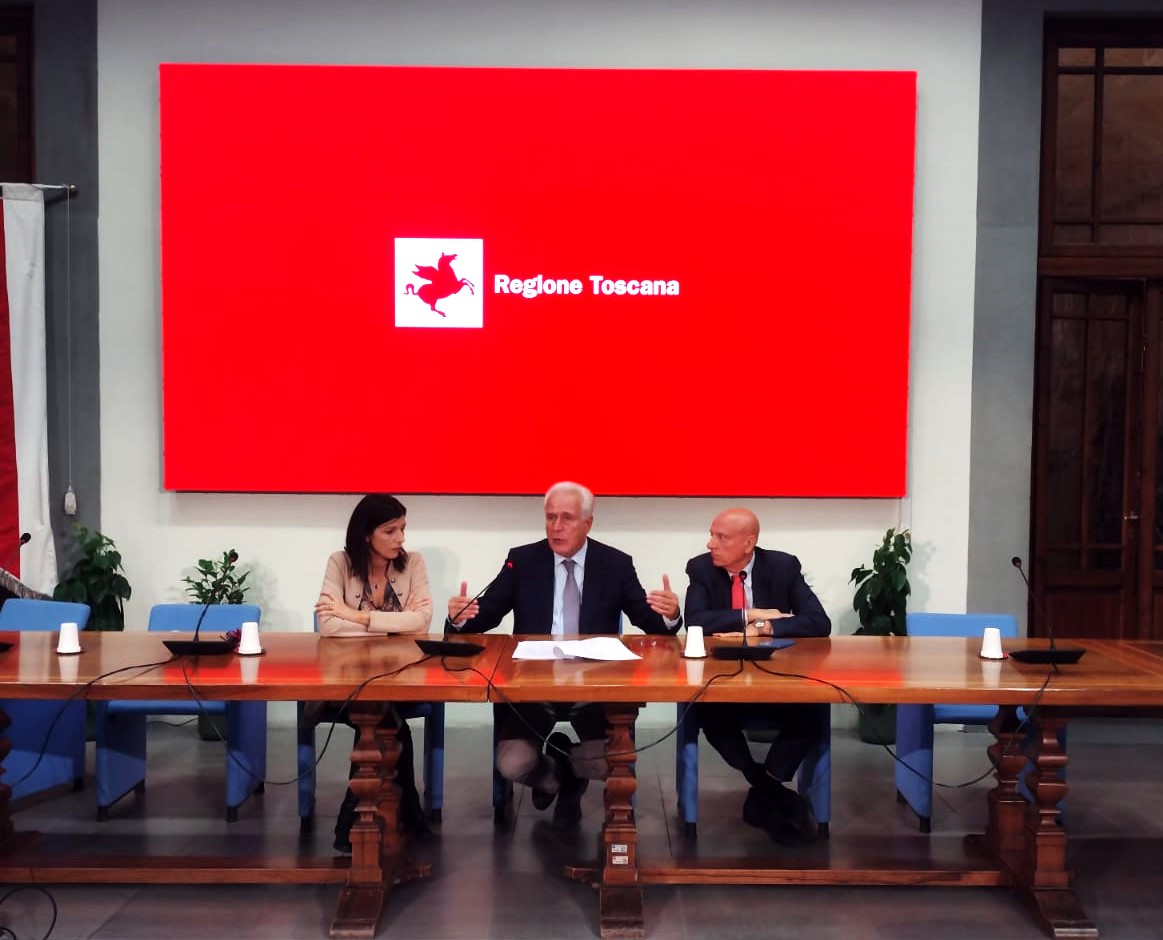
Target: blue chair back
(926, 624)
(18, 613)
(63, 758)
(121, 725)
(914, 723)
(964, 625)
(219, 617)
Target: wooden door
(1091, 489)
(1097, 529)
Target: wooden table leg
(1007, 807)
(378, 847)
(619, 890)
(361, 900)
(1043, 876)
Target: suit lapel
(722, 583)
(760, 581)
(591, 587)
(543, 581)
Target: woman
(374, 587)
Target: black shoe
(557, 753)
(567, 814)
(413, 821)
(784, 822)
(344, 820)
(796, 811)
(543, 799)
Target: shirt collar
(579, 556)
(747, 567)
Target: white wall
(287, 538)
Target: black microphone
(197, 647)
(447, 647)
(14, 556)
(745, 652)
(1055, 655)
(12, 586)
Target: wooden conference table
(294, 667)
(1022, 847)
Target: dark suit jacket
(525, 587)
(776, 581)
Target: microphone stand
(1054, 656)
(745, 652)
(447, 647)
(199, 647)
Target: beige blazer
(410, 585)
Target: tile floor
(490, 884)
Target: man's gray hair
(568, 486)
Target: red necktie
(738, 594)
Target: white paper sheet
(604, 648)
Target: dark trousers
(523, 728)
(532, 721)
(798, 727)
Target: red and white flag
(24, 486)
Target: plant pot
(877, 724)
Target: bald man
(738, 587)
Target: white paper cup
(70, 639)
(67, 668)
(248, 669)
(694, 671)
(991, 644)
(695, 648)
(991, 673)
(248, 645)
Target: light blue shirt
(559, 573)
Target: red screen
(450, 280)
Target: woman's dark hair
(369, 514)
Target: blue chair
(433, 715)
(121, 725)
(814, 779)
(914, 723)
(64, 748)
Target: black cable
(844, 693)
(173, 724)
(200, 701)
(504, 699)
(38, 888)
(72, 698)
(993, 765)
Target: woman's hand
(330, 606)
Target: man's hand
(462, 607)
(664, 602)
(765, 613)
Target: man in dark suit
(564, 585)
(738, 588)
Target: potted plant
(217, 582)
(881, 602)
(97, 579)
